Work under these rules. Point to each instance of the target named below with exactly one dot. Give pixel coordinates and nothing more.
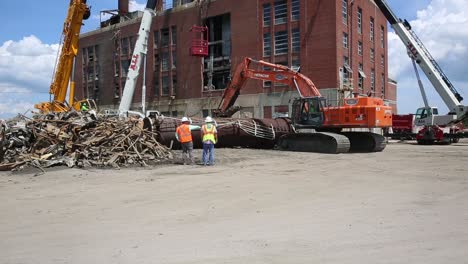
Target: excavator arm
(77, 12)
(276, 74)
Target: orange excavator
(318, 126)
(77, 12)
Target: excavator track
(320, 142)
(365, 141)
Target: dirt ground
(408, 204)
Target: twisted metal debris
(78, 139)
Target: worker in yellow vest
(184, 136)
(209, 138)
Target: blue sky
(28, 46)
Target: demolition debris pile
(77, 139)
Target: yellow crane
(77, 12)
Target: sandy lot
(408, 204)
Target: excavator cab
(307, 112)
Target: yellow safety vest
(208, 133)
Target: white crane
(435, 126)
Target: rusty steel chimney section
(123, 6)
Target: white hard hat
(208, 119)
(185, 119)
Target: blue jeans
(208, 153)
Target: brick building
(339, 44)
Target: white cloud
(443, 28)
(134, 6)
(26, 68)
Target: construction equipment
(138, 56)
(63, 73)
(318, 125)
(436, 128)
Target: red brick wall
(321, 31)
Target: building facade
(341, 45)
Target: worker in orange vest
(184, 136)
(209, 139)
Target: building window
(125, 64)
(284, 63)
(174, 59)
(266, 44)
(125, 47)
(296, 40)
(281, 12)
(372, 55)
(296, 64)
(156, 83)
(361, 78)
(382, 37)
(174, 35)
(372, 80)
(347, 71)
(165, 85)
(281, 42)
(359, 20)
(359, 48)
(382, 60)
(295, 10)
(164, 61)
(372, 29)
(345, 40)
(266, 15)
(174, 84)
(266, 84)
(156, 40)
(345, 11)
(164, 37)
(382, 86)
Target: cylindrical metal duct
(123, 6)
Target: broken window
(296, 64)
(164, 61)
(125, 64)
(372, 29)
(174, 84)
(156, 83)
(266, 83)
(165, 85)
(372, 79)
(266, 45)
(361, 78)
(156, 40)
(266, 15)
(281, 42)
(164, 37)
(174, 60)
(295, 10)
(372, 54)
(296, 40)
(359, 48)
(174, 35)
(281, 12)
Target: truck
(435, 127)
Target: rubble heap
(77, 139)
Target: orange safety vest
(184, 133)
